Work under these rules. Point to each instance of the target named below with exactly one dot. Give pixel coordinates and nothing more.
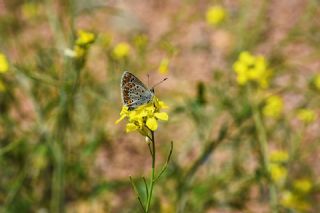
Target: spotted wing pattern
(133, 92)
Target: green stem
(153, 155)
(263, 143)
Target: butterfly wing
(133, 92)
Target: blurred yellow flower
(316, 81)
(144, 117)
(252, 68)
(292, 201)
(273, 107)
(121, 50)
(84, 38)
(215, 15)
(278, 173)
(4, 65)
(164, 66)
(303, 185)
(306, 115)
(279, 156)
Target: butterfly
(133, 92)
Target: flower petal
(152, 123)
(161, 115)
(131, 127)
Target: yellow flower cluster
(4, 67)
(144, 118)
(296, 199)
(316, 81)
(273, 107)
(293, 201)
(215, 15)
(278, 171)
(164, 66)
(121, 50)
(306, 115)
(83, 41)
(250, 68)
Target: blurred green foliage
(239, 147)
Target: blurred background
(243, 92)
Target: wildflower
(303, 185)
(164, 66)
(278, 173)
(144, 117)
(250, 68)
(215, 15)
(316, 81)
(306, 115)
(293, 201)
(121, 50)
(273, 107)
(4, 65)
(279, 156)
(84, 38)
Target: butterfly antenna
(148, 79)
(159, 82)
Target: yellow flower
(306, 115)
(279, 156)
(164, 66)
(215, 15)
(273, 107)
(84, 38)
(316, 81)
(292, 201)
(144, 117)
(121, 50)
(278, 173)
(4, 65)
(303, 185)
(252, 68)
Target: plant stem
(153, 155)
(263, 143)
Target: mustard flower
(4, 64)
(292, 201)
(84, 38)
(215, 15)
(278, 173)
(250, 68)
(316, 81)
(273, 107)
(164, 66)
(121, 50)
(306, 115)
(303, 185)
(144, 117)
(279, 156)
